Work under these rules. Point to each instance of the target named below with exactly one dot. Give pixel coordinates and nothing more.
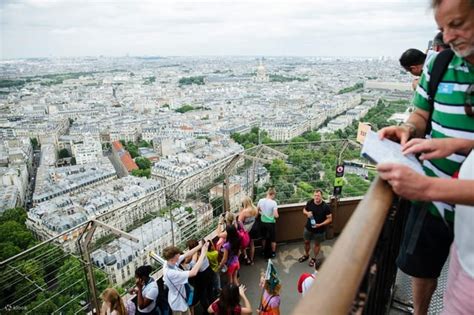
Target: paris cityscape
(113, 148)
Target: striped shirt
(449, 120)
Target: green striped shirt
(449, 120)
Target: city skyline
(57, 28)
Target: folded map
(385, 150)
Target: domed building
(261, 73)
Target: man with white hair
(429, 229)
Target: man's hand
(436, 148)
(404, 181)
(395, 133)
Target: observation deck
(359, 275)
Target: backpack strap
(265, 308)
(440, 65)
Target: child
(176, 279)
(225, 221)
(113, 303)
(270, 304)
(229, 263)
(306, 280)
(229, 301)
(203, 282)
(213, 257)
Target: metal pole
(89, 269)
(172, 226)
(226, 194)
(84, 245)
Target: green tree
(13, 214)
(133, 150)
(353, 88)
(71, 278)
(278, 168)
(143, 163)
(33, 271)
(43, 305)
(34, 143)
(248, 140)
(142, 173)
(143, 144)
(199, 80)
(298, 139)
(8, 249)
(63, 153)
(16, 234)
(312, 136)
(185, 108)
(306, 187)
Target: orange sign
(362, 131)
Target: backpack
(440, 65)
(243, 236)
(302, 278)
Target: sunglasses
(468, 105)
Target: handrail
(341, 274)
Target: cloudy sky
(54, 28)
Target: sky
(69, 28)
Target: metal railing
(47, 279)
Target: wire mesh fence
(51, 277)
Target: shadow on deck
(289, 270)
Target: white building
(87, 149)
(16, 176)
(261, 73)
(123, 132)
(53, 182)
(120, 258)
(119, 203)
(284, 130)
(9, 198)
(188, 167)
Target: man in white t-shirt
(176, 278)
(268, 209)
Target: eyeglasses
(468, 102)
